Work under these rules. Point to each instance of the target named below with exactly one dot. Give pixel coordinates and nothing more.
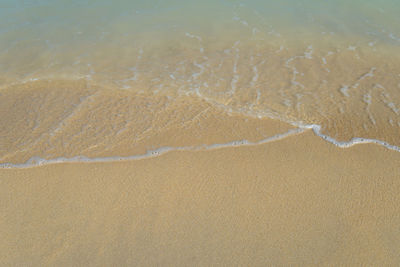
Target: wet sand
(299, 201)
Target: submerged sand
(299, 200)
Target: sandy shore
(294, 201)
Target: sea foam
(38, 161)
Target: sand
(200, 134)
(296, 201)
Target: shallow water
(104, 79)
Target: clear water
(335, 64)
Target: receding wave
(140, 77)
(37, 161)
(68, 121)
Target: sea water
(120, 79)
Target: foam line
(37, 161)
(343, 144)
(317, 130)
(314, 127)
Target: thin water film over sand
(99, 79)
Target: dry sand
(297, 201)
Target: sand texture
(296, 201)
(200, 133)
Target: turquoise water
(46, 30)
(46, 19)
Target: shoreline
(316, 129)
(298, 200)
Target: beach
(180, 133)
(299, 200)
